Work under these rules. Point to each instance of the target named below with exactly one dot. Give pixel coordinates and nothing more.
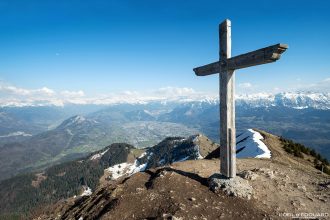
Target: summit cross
(226, 67)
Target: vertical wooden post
(226, 66)
(227, 104)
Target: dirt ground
(283, 185)
(164, 193)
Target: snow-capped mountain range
(298, 100)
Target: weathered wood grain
(227, 105)
(208, 69)
(262, 56)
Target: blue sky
(101, 47)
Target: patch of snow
(199, 156)
(17, 133)
(250, 139)
(87, 192)
(143, 154)
(182, 159)
(69, 132)
(99, 155)
(78, 119)
(149, 112)
(122, 169)
(302, 107)
(128, 169)
(195, 141)
(161, 162)
(253, 146)
(137, 167)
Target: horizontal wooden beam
(208, 69)
(262, 56)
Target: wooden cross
(226, 67)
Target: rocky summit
(173, 188)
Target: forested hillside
(23, 192)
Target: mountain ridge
(300, 99)
(181, 190)
(111, 163)
(143, 126)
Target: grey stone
(235, 186)
(248, 175)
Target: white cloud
(45, 90)
(73, 94)
(25, 92)
(12, 95)
(175, 91)
(245, 85)
(129, 93)
(13, 90)
(321, 86)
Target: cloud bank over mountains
(14, 96)
(11, 95)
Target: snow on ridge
(321, 99)
(16, 133)
(123, 169)
(252, 145)
(87, 191)
(301, 107)
(69, 132)
(183, 159)
(250, 140)
(73, 120)
(77, 119)
(298, 99)
(128, 169)
(195, 140)
(255, 96)
(120, 170)
(99, 155)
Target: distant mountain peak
(297, 100)
(78, 119)
(74, 121)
